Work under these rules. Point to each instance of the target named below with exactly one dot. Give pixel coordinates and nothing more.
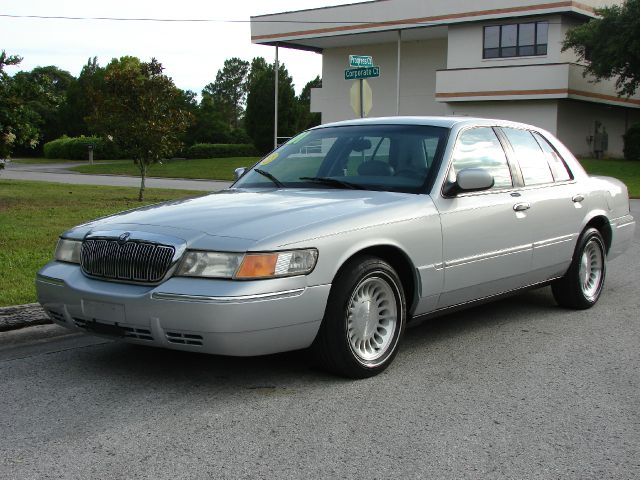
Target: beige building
(495, 58)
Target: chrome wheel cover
(372, 319)
(591, 269)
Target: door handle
(521, 207)
(577, 198)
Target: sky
(191, 53)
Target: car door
(555, 204)
(486, 241)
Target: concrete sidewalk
(60, 173)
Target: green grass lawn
(625, 170)
(33, 214)
(208, 168)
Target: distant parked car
(341, 237)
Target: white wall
(541, 113)
(420, 60)
(389, 14)
(576, 121)
(510, 81)
(466, 41)
(567, 23)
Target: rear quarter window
(556, 164)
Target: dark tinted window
(509, 40)
(515, 40)
(480, 148)
(492, 42)
(374, 157)
(533, 163)
(542, 33)
(527, 39)
(558, 167)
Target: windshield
(371, 157)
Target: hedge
(220, 150)
(77, 148)
(632, 142)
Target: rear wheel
(364, 319)
(582, 285)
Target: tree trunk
(143, 174)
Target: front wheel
(364, 319)
(582, 285)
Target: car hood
(252, 216)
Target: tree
(18, 123)
(142, 111)
(210, 125)
(610, 45)
(44, 91)
(229, 91)
(306, 118)
(260, 104)
(81, 96)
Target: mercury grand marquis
(341, 237)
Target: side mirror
(470, 180)
(238, 172)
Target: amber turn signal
(258, 266)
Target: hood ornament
(123, 238)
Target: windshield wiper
(264, 173)
(334, 182)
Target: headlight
(251, 265)
(209, 264)
(68, 251)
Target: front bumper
(210, 316)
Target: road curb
(20, 316)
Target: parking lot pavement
(515, 389)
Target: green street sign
(359, 61)
(358, 73)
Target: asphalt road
(515, 389)
(59, 173)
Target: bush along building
(497, 58)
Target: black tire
(337, 346)
(572, 290)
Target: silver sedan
(341, 237)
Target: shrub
(632, 142)
(77, 148)
(220, 150)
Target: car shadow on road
(522, 308)
(148, 364)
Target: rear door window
(533, 163)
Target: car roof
(447, 122)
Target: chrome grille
(132, 261)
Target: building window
(515, 40)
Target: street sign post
(358, 73)
(361, 96)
